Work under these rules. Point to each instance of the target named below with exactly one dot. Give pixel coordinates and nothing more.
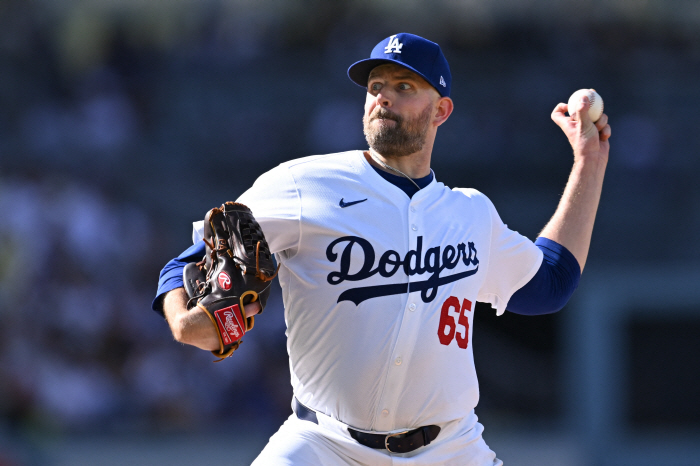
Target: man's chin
(382, 122)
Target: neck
(415, 165)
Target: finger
(559, 114)
(252, 309)
(581, 111)
(605, 133)
(602, 122)
(561, 108)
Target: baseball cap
(410, 51)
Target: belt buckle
(396, 434)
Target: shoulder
(312, 166)
(470, 193)
(471, 196)
(312, 163)
(474, 200)
(285, 180)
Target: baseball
(596, 108)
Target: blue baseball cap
(410, 51)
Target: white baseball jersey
(379, 289)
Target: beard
(405, 137)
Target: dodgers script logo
(434, 262)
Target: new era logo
(394, 45)
(442, 82)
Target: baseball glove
(236, 270)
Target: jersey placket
(398, 368)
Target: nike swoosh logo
(348, 204)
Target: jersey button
(397, 361)
(412, 307)
(385, 412)
(413, 209)
(414, 227)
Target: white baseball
(596, 108)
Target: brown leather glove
(236, 270)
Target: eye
(405, 86)
(375, 87)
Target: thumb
(580, 110)
(581, 114)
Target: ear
(444, 110)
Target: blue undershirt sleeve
(171, 275)
(553, 284)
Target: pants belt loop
(426, 439)
(304, 413)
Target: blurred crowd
(115, 129)
(79, 348)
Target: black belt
(399, 442)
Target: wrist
(588, 165)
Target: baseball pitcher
(380, 266)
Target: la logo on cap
(394, 45)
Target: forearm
(572, 223)
(193, 327)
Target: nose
(382, 99)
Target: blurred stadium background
(118, 118)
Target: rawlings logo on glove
(224, 281)
(230, 331)
(236, 270)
